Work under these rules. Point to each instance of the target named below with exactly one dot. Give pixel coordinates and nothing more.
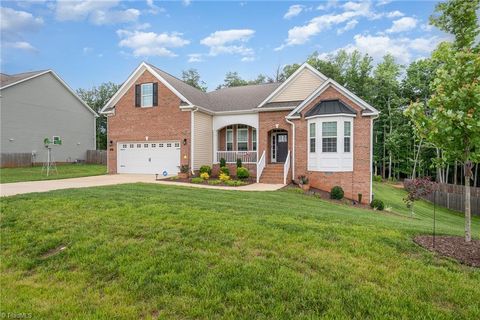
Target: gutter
(293, 147)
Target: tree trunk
(383, 158)
(476, 175)
(468, 217)
(416, 159)
(447, 172)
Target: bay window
(312, 137)
(346, 136)
(329, 136)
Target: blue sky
(89, 42)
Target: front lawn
(8, 175)
(155, 251)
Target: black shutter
(155, 94)
(137, 95)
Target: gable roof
(7, 81)
(329, 107)
(369, 110)
(304, 66)
(241, 98)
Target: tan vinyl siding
(300, 87)
(203, 144)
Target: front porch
(239, 142)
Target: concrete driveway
(10, 189)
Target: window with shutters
(146, 95)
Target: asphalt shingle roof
(227, 99)
(7, 79)
(330, 107)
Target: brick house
(308, 125)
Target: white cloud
(383, 2)
(293, 11)
(247, 59)
(195, 57)
(13, 21)
(186, 3)
(403, 24)
(87, 50)
(349, 26)
(154, 9)
(151, 43)
(96, 11)
(328, 5)
(403, 49)
(301, 34)
(394, 14)
(229, 42)
(21, 45)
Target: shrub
(242, 173)
(377, 178)
(204, 175)
(224, 170)
(214, 182)
(224, 177)
(223, 162)
(206, 169)
(337, 193)
(197, 180)
(377, 204)
(239, 163)
(417, 188)
(184, 168)
(234, 183)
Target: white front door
(155, 157)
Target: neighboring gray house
(38, 105)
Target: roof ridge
(246, 85)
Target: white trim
(330, 82)
(293, 148)
(236, 135)
(331, 115)
(276, 109)
(192, 140)
(371, 157)
(56, 76)
(131, 80)
(202, 109)
(304, 66)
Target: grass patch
(145, 250)
(9, 175)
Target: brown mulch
(324, 195)
(189, 181)
(467, 253)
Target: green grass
(9, 175)
(147, 251)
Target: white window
(139, 145)
(313, 139)
(329, 136)
(147, 95)
(242, 138)
(229, 138)
(254, 139)
(146, 145)
(132, 145)
(347, 136)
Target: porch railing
(286, 168)
(260, 166)
(232, 156)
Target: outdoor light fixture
(111, 143)
(185, 141)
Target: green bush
(225, 170)
(337, 193)
(239, 163)
(197, 180)
(223, 162)
(242, 173)
(377, 204)
(392, 179)
(234, 183)
(377, 178)
(214, 182)
(206, 169)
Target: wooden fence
(97, 156)
(12, 160)
(452, 196)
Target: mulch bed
(324, 195)
(189, 181)
(467, 253)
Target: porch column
(215, 146)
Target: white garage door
(148, 157)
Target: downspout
(293, 148)
(192, 137)
(371, 157)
